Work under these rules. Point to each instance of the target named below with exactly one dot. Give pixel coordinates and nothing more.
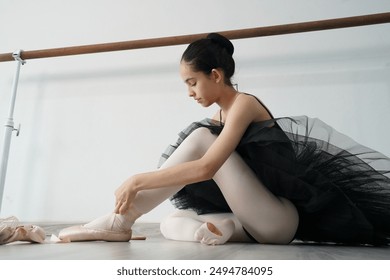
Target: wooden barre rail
(186, 39)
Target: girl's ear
(216, 75)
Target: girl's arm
(243, 112)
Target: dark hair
(214, 51)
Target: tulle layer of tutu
(340, 188)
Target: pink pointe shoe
(82, 233)
(11, 231)
(106, 228)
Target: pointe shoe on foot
(10, 231)
(112, 227)
(82, 233)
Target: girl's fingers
(124, 207)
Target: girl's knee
(202, 136)
(197, 143)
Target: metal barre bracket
(11, 125)
(16, 56)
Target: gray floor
(156, 247)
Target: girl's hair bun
(222, 41)
(213, 52)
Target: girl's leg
(267, 218)
(212, 229)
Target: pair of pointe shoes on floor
(12, 231)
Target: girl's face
(203, 88)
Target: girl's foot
(215, 234)
(11, 231)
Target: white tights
(269, 219)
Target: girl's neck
(228, 96)
(226, 102)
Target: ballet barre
(187, 39)
(21, 56)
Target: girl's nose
(191, 93)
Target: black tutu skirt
(340, 188)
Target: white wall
(88, 122)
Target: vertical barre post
(9, 126)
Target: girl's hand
(125, 195)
